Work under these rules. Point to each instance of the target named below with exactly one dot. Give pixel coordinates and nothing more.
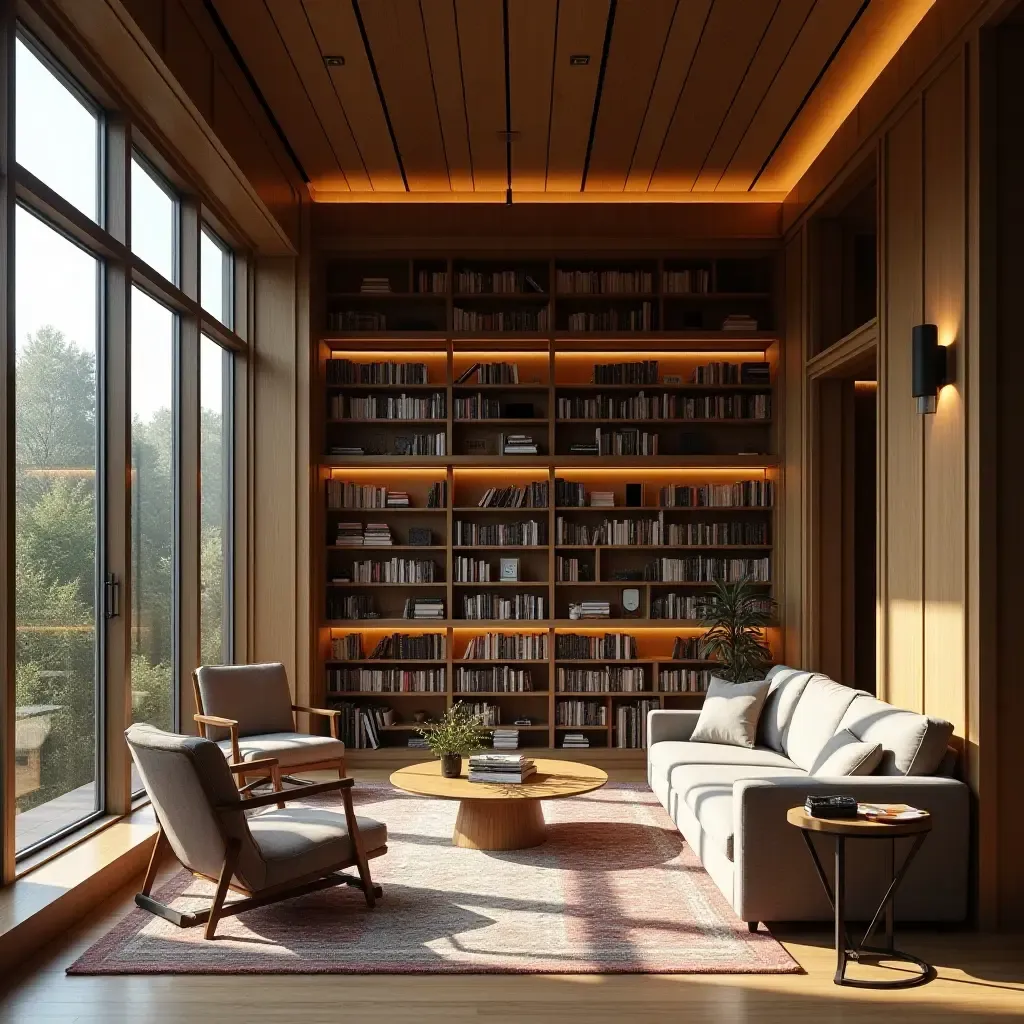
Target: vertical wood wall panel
(791, 514)
(902, 681)
(945, 437)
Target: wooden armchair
(268, 857)
(247, 711)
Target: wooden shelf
(532, 420)
(499, 462)
(381, 547)
(662, 508)
(398, 423)
(342, 583)
(605, 693)
(364, 662)
(386, 693)
(663, 387)
(502, 387)
(662, 547)
(674, 421)
(503, 583)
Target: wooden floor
(980, 978)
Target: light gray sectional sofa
(730, 802)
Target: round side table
(842, 829)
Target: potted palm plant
(458, 734)
(736, 615)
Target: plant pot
(451, 766)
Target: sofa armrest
(670, 725)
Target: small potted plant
(737, 614)
(458, 734)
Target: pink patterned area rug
(613, 890)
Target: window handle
(111, 596)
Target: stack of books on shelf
(585, 448)
(739, 322)
(743, 494)
(346, 449)
(347, 648)
(344, 371)
(349, 535)
(398, 499)
(525, 534)
(606, 679)
(505, 739)
(603, 282)
(518, 444)
(590, 610)
(508, 768)
(695, 281)
(534, 495)
(631, 723)
(609, 647)
(375, 286)
(431, 608)
(640, 318)
(493, 679)
(644, 372)
(410, 646)
(575, 741)
(490, 373)
(499, 607)
(602, 499)
(511, 646)
(377, 535)
(432, 282)
(755, 373)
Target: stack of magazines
(493, 767)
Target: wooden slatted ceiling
(697, 95)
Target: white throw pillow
(730, 712)
(844, 754)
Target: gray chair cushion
(665, 756)
(816, 719)
(730, 712)
(785, 687)
(844, 754)
(302, 840)
(290, 748)
(706, 789)
(912, 744)
(255, 696)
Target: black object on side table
(858, 828)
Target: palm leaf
(736, 615)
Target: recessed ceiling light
(579, 60)
(334, 62)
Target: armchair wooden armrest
(332, 713)
(259, 764)
(251, 802)
(222, 723)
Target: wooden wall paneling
(848, 581)
(307, 489)
(531, 47)
(441, 32)
(782, 30)
(944, 433)
(398, 44)
(297, 36)
(730, 39)
(828, 526)
(186, 52)
(482, 50)
(149, 14)
(582, 25)
(902, 680)
(255, 33)
(638, 41)
(815, 42)
(676, 59)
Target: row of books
(603, 282)
(345, 494)
(501, 607)
(742, 494)
(683, 680)
(358, 535)
(735, 533)
(530, 533)
(581, 712)
(691, 606)
(404, 444)
(388, 407)
(642, 372)
(615, 532)
(513, 646)
(573, 570)
(493, 679)
(631, 723)
(703, 569)
(351, 606)
(498, 282)
(486, 714)
(489, 373)
(359, 725)
(432, 282)
(629, 441)
(510, 320)
(721, 372)
(599, 680)
(477, 407)
(532, 495)
(725, 407)
(387, 680)
(640, 318)
(693, 281)
(345, 371)
(419, 646)
(356, 320)
(395, 570)
(471, 570)
(609, 646)
(686, 647)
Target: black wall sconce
(932, 367)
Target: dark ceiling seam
(782, 64)
(682, 89)
(732, 102)
(597, 92)
(465, 105)
(814, 85)
(551, 95)
(250, 78)
(380, 92)
(508, 105)
(433, 89)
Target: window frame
(108, 239)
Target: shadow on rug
(613, 890)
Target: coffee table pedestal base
(499, 824)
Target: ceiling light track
(598, 91)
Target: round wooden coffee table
(498, 815)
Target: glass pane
(153, 500)
(215, 278)
(154, 222)
(55, 532)
(56, 135)
(215, 505)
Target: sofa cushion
(706, 789)
(912, 744)
(816, 718)
(663, 757)
(844, 754)
(784, 690)
(730, 712)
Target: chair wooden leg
(357, 848)
(226, 872)
(341, 769)
(154, 861)
(275, 779)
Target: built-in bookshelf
(529, 519)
